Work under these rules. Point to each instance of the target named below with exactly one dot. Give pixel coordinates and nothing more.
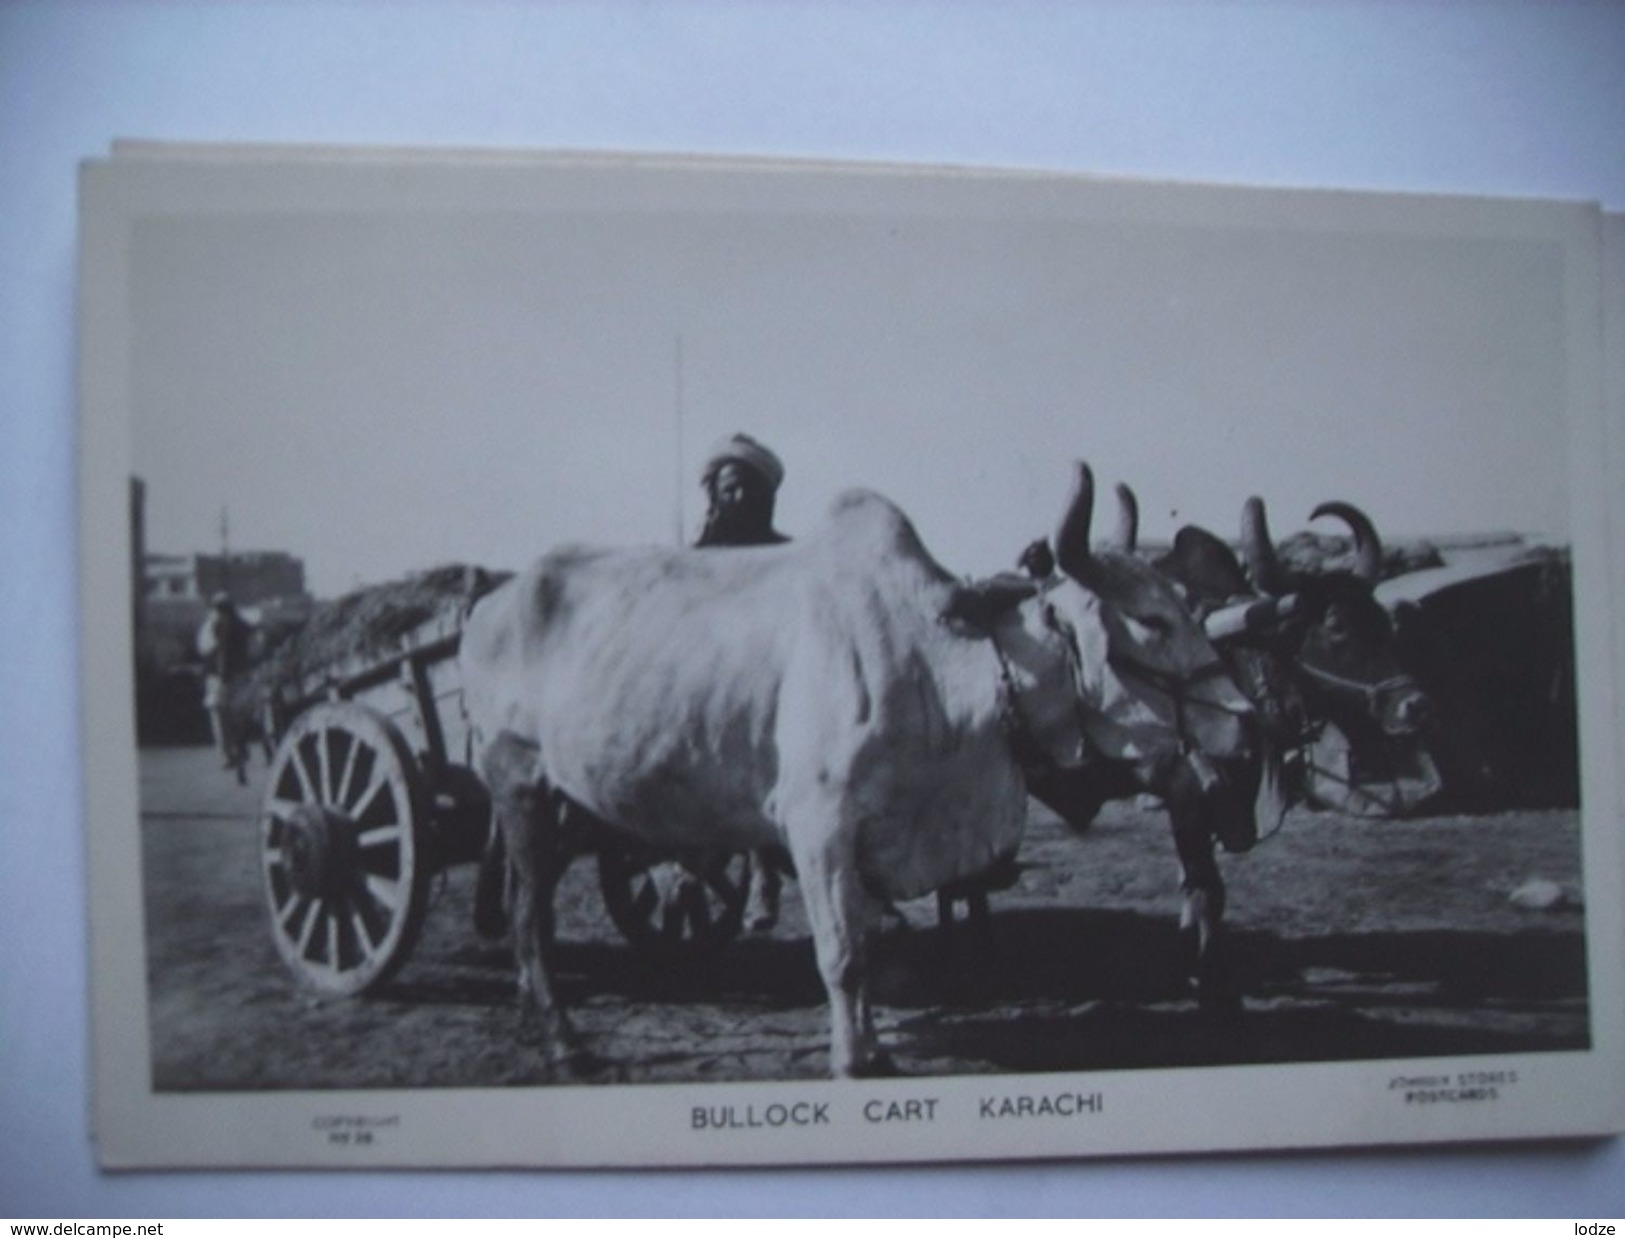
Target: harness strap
(1025, 747)
(1177, 688)
(1029, 753)
(1371, 692)
(1390, 780)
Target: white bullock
(841, 696)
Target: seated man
(741, 479)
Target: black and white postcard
(629, 661)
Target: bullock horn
(1127, 534)
(1367, 545)
(1259, 551)
(1072, 535)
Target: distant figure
(223, 643)
(741, 480)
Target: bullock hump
(867, 527)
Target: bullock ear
(1037, 560)
(477, 582)
(979, 604)
(1205, 565)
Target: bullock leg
(978, 923)
(527, 815)
(762, 906)
(840, 915)
(976, 915)
(1201, 914)
(490, 889)
(1206, 807)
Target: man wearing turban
(741, 479)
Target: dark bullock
(1317, 654)
(1205, 798)
(1314, 651)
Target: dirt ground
(1353, 939)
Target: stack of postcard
(634, 660)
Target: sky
(378, 386)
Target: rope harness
(1370, 693)
(1385, 790)
(1029, 752)
(1177, 688)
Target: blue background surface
(1511, 99)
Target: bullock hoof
(879, 1066)
(762, 912)
(581, 1065)
(1187, 967)
(1218, 1001)
(555, 1035)
(1226, 1008)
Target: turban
(742, 449)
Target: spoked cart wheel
(342, 849)
(689, 907)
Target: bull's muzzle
(1410, 714)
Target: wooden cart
(371, 794)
